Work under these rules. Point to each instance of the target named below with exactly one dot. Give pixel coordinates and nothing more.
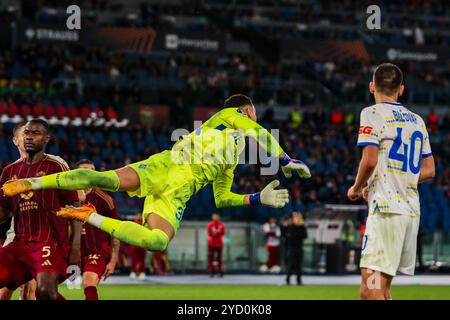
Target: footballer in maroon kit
(216, 231)
(99, 251)
(42, 247)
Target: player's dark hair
(42, 122)
(388, 78)
(237, 101)
(17, 127)
(83, 161)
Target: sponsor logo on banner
(398, 54)
(33, 34)
(175, 42)
(114, 38)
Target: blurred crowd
(115, 78)
(402, 23)
(118, 78)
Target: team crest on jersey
(14, 177)
(41, 174)
(27, 196)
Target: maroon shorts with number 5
(23, 261)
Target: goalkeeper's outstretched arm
(222, 192)
(224, 197)
(269, 144)
(259, 133)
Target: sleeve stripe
(62, 165)
(109, 201)
(363, 144)
(426, 155)
(220, 127)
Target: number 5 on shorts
(46, 251)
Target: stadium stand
(85, 92)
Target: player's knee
(159, 242)
(90, 279)
(364, 293)
(371, 294)
(46, 292)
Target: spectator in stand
(268, 115)
(295, 118)
(216, 231)
(433, 121)
(337, 117)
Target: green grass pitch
(250, 292)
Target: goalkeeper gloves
(289, 165)
(270, 197)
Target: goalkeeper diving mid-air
(169, 179)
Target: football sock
(131, 233)
(78, 179)
(91, 293)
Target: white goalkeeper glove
(288, 165)
(270, 197)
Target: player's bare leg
(374, 284)
(90, 283)
(47, 286)
(387, 292)
(6, 294)
(155, 221)
(123, 179)
(28, 290)
(128, 179)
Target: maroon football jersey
(34, 212)
(216, 231)
(93, 240)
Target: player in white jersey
(396, 156)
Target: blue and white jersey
(403, 142)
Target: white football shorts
(390, 243)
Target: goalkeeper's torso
(212, 148)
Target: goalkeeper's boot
(15, 187)
(77, 213)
